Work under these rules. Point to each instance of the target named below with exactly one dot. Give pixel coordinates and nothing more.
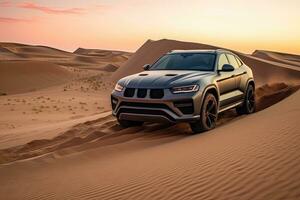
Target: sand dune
(101, 52)
(285, 58)
(110, 67)
(155, 162)
(6, 54)
(29, 51)
(25, 76)
(264, 71)
(81, 58)
(112, 55)
(86, 59)
(31, 67)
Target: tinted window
(186, 61)
(238, 61)
(222, 61)
(232, 60)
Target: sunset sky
(127, 24)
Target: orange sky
(127, 24)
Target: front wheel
(249, 104)
(208, 115)
(128, 123)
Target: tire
(208, 115)
(127, 123)
(249, 104)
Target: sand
(242, 159)
(61, 142)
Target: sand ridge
(284, 58)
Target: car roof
(200, 51)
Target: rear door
(240, 75)
(237, 94)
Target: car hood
(163, 78)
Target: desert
(58, 139)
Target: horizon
(72, 51)
(118, 25)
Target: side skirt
(231, 106)
(230, 100)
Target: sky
(126, 24)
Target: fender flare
(211, 86)
(248, 82)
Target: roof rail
(222, 50)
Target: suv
(185, 86)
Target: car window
(186, 61)
(232, 61)
(222, 61)
(238, 61)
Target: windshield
(186, 61)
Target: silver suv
(185, 86)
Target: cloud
(50, 10)
(5, 3)
(101, 7)
(13, 20)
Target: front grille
(185, 106)
(141, 93)
(156, 93)
(129, 92)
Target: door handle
(241, 73)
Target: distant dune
(25, 76)
(285, 58)
(100, 52)
(81, 58)
(30, 51)
(27, 68)
(112, 55)
(110, 68)
(264, 71)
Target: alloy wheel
(211, 114)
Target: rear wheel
(128, 123)
(208, 115)
(249, 105)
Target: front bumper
(172, 108)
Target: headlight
(185, 89)
(119, 87)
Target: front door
(226, 80)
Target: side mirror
(227, 68)
(146, 67)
